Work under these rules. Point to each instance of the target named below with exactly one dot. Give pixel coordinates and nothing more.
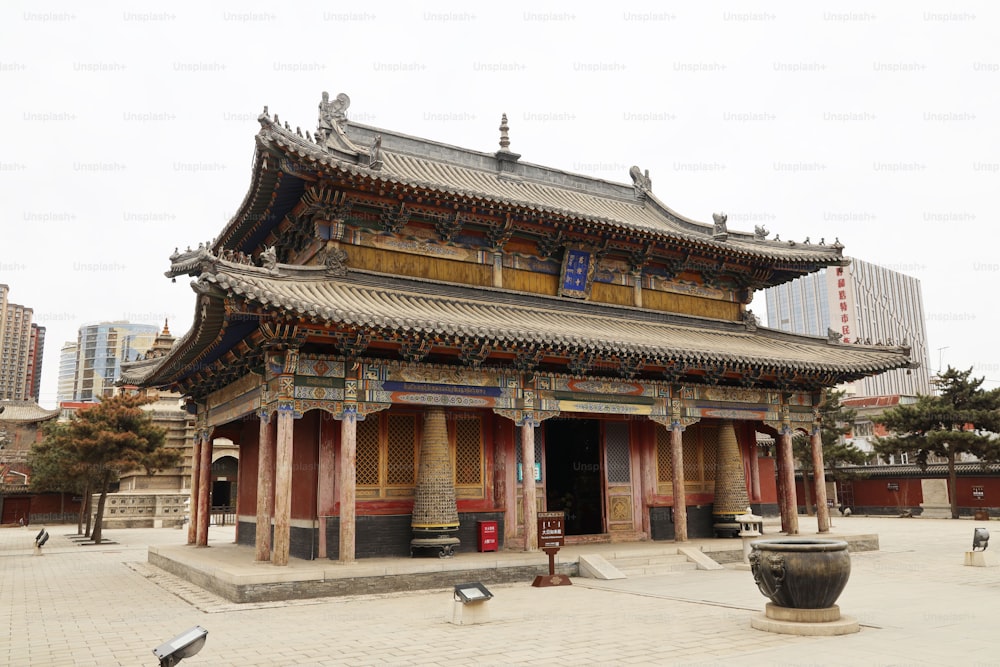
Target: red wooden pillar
(348, 484)
(192, 536)
(790, 502)
(680, 497)
(819, 476)
(283, 485)
(754, 473)
(325, 494)
(265, 486)
(647, 457)
(204, 488)
(528, 501)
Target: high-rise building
(21, 345)
(36, 351)
(863, 303)
(101, 348)
(67, 371)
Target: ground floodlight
(474, 592)
(980, 539)
(182, 646)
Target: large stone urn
(803, 579)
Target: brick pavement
(917, 602)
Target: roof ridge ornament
(330, 126)
(505, 156)
(642, 183)
(719, 231)
(375, 153)
(504, 133)
(332, 115)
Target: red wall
(768, 480)
(248, 441)
(305, 464)
(875, 492)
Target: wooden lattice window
(617, 453)
(386, 455)
(368, 453)
(664, 457)
(401, 444)
(710, 452)
(468, 451)
(692, 445)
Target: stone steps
(653, 564)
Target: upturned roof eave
(521, 325)
(277, 141)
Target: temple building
(406, 338)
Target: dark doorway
(573, 470)
(222, 494)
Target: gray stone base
(804, 622)
(271, 591)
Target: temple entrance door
(574, 475)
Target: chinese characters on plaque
(577, 273)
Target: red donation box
(488, 540)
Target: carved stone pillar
(265, 487)
(819, 478)
(283, 485)
(731, 497)
(204, 487)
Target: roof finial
(504, 138)
(166, 327)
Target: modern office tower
(67, 371)
(101, 348)
(864, 303)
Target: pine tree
(836, 421)
(963, 419)
(103, 441)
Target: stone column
(348, 483)
(204, 488)
(283, 485)
(731, 499)
(528, 502)
(819, 477)
(192, 537)
(325, 492)
(265, 485)
(788, 480)
(680, 496)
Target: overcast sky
(130, 128)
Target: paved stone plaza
(917, 603)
